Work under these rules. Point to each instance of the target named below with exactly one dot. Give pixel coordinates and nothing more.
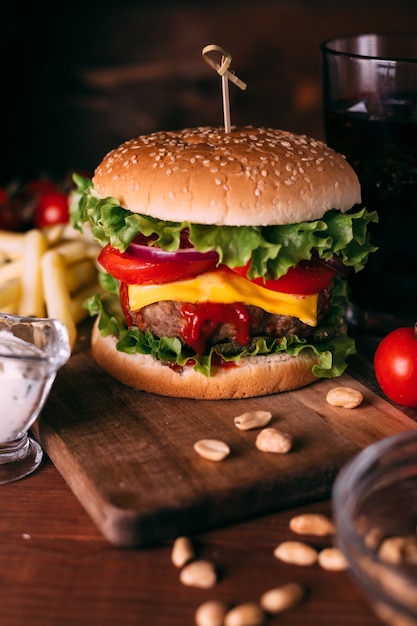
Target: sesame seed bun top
(248, 177)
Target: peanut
(212, 449)
(210, 613)
(296, 553)
(346, 397)
(399, 549)
(182, 551)
(273, 440)
(373, 538)
(245, 614)
(200, 574)
(282, 598)
(252, 419)
(332, 560)
(311, 524)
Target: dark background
(79, 78)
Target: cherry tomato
(395, 365)
(136, 271)
(307, 278)
(52, 208)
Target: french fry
(12, 244)
(70, 232)
(72, 251)
(10, 294)
(48, 272)
(54, 234)
(57, 297)
(78, 312)
(10, 270)
(10, 309)
(32, 300)
(80, 274)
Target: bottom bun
(250, 377)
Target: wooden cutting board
(128, 456)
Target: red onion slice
(153, 253)
(337, 265)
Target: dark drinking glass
(370, 116)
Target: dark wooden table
(57, 569)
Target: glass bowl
(32, 350)
(375, 513)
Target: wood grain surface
(128, 456)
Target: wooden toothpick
(222, 69)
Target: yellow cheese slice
(226, 287)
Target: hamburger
(226, 256)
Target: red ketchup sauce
(202, 321)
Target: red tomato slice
(308, 277)
(136, 271)
(124, 302)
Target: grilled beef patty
(166, 319)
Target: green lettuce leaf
(271, 250)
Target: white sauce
(21, 385)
